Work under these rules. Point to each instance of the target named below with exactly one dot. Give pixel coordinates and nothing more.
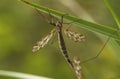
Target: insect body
(72, 35)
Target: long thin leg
(92, 58)
(52, 20)
(43, 16)
(62, 18)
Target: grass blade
(106, 30)
(113, 13)
(113, 42)
(19, 75)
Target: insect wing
(77, 67)
(74, 36)
(43, 42)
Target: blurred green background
(21, 27)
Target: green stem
(103, 29)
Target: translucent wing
(43, 42)
(77, 67)
(74, 36)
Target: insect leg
(92, 58)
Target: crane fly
(58, 28)
(70, 34)
(75, 64)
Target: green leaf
(103, 29)
(113, 42)
(113, 13)
(18, 75)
